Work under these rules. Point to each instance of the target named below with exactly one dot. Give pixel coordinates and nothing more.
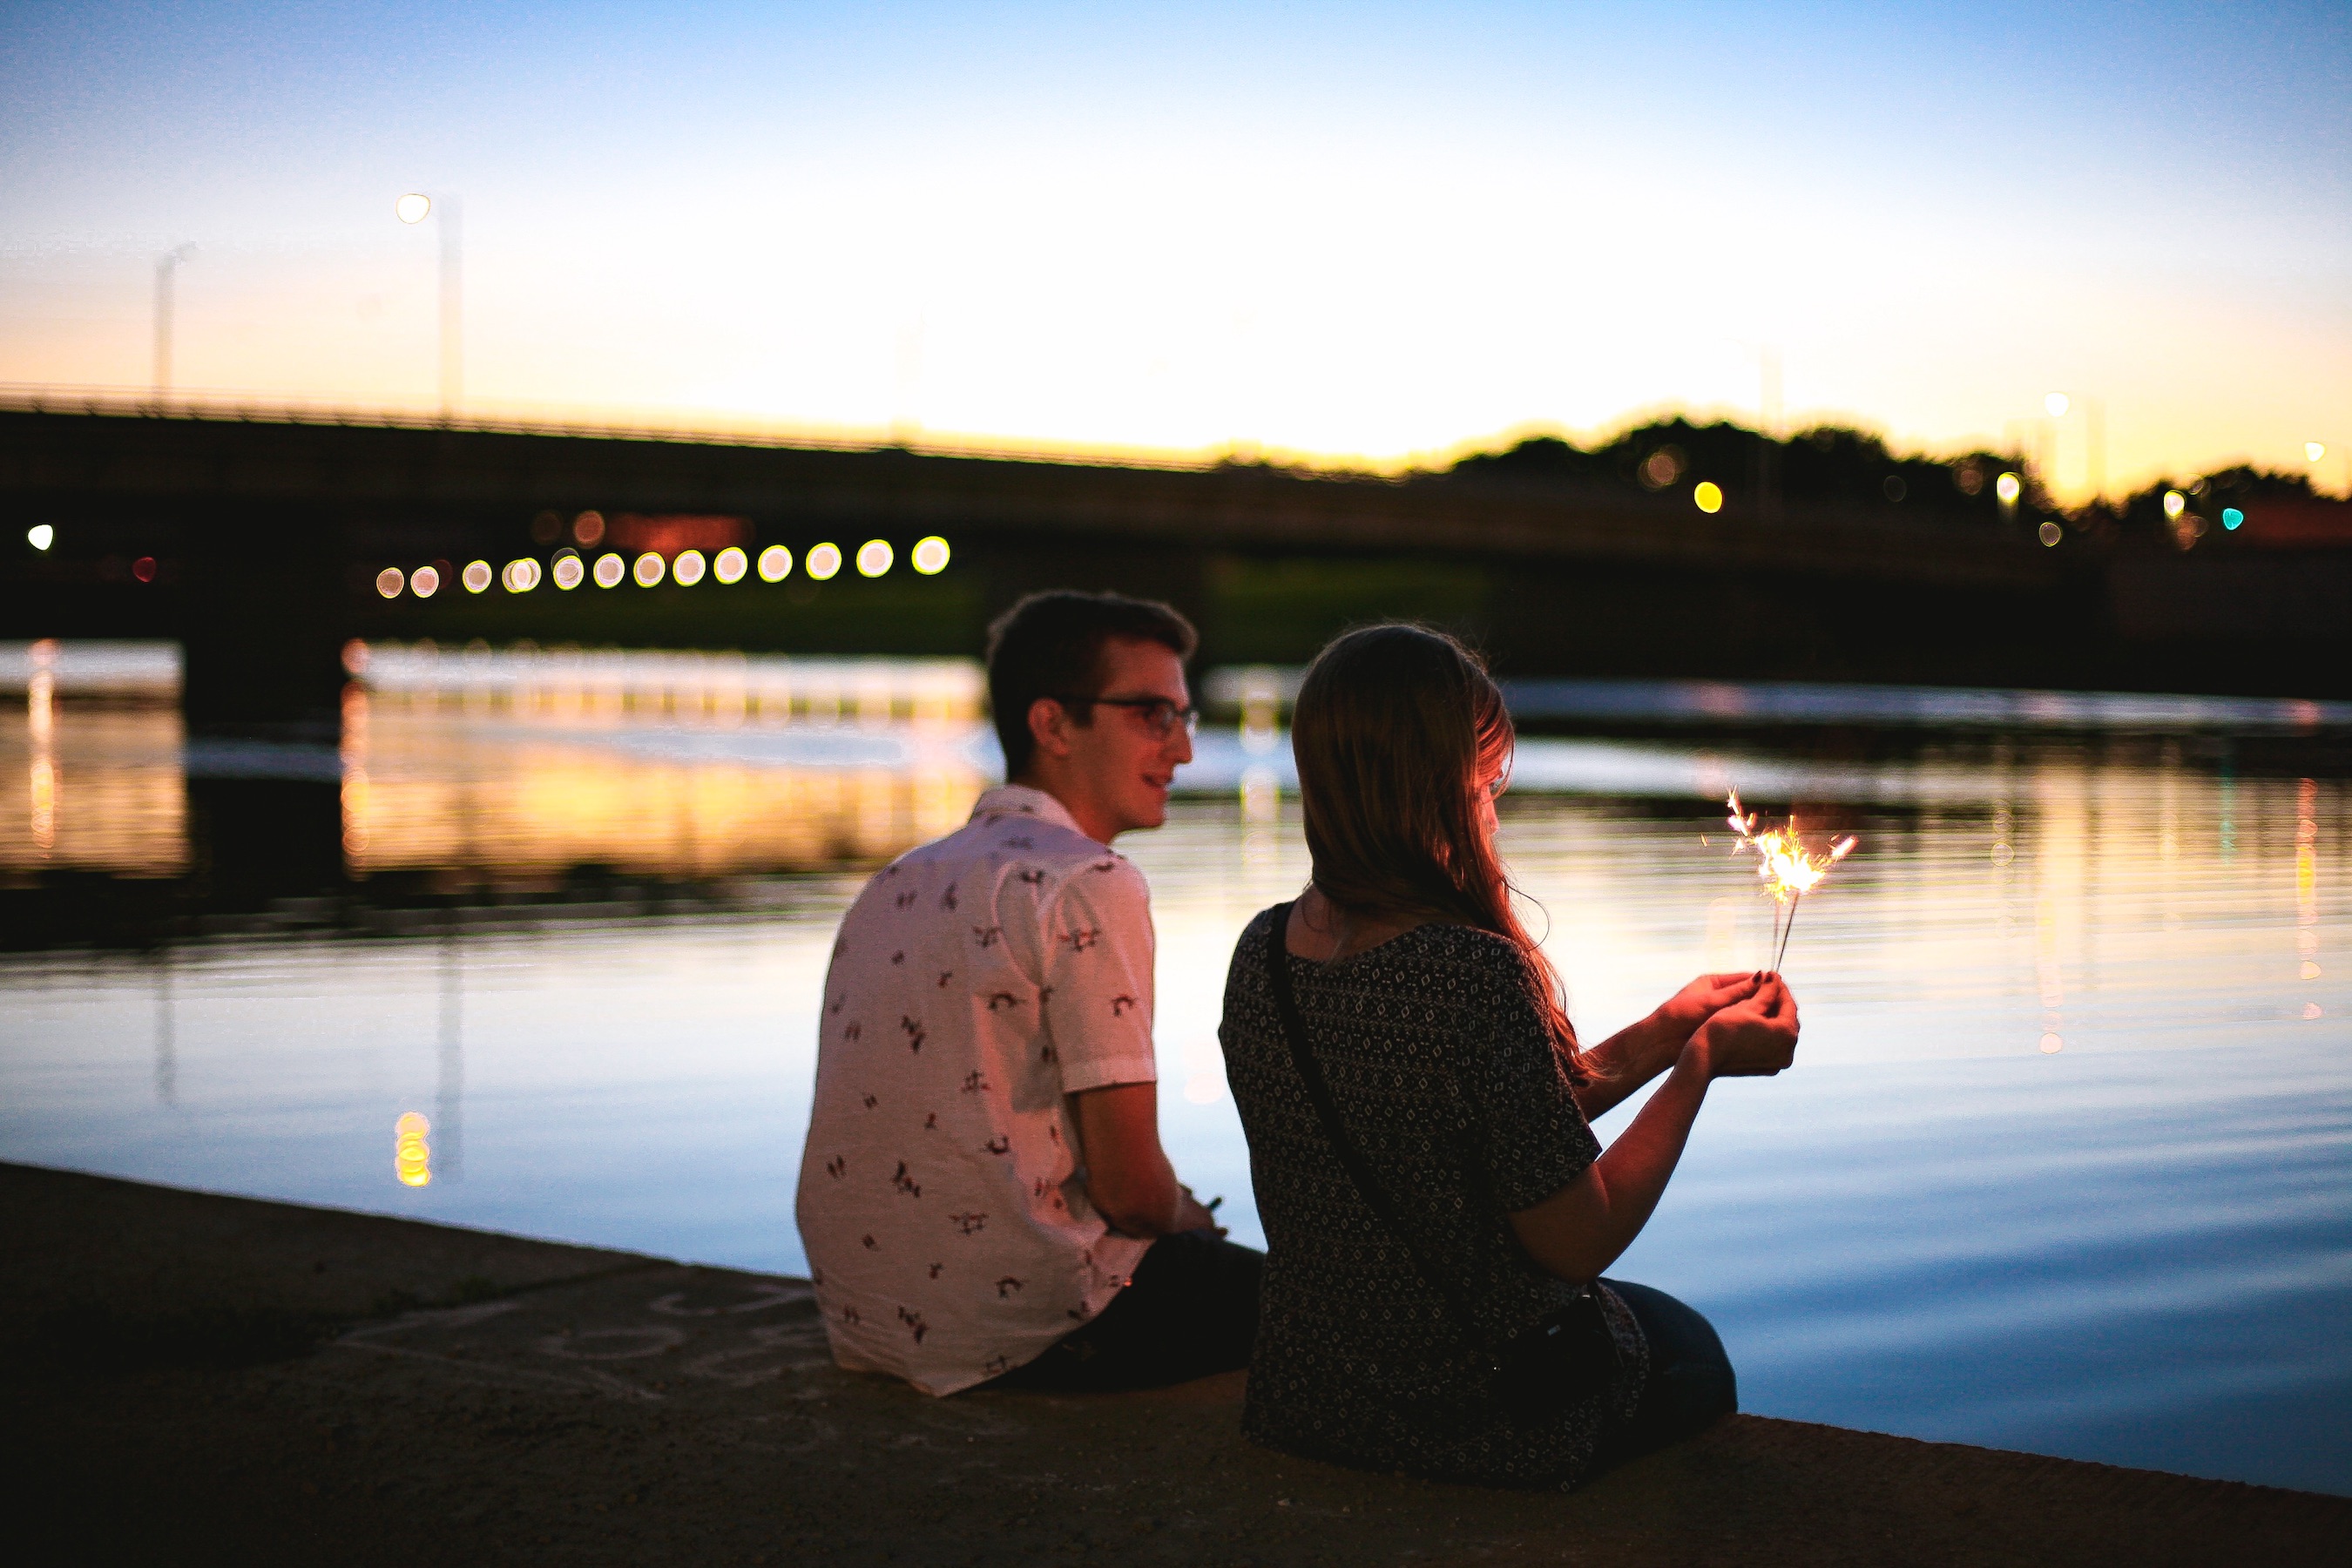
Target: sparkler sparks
(1789, 870)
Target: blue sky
(1345, 231)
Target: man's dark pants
(1192, 1312)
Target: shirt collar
(1022, 800)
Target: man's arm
(1128, 1174)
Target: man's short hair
(1051, 644)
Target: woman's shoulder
(1459, 947)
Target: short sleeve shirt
(978, 981)
(1443, 1071)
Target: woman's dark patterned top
(1442, 1072)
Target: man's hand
(1756, 1038)
(1192, 1214)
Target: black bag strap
(1319, 1093)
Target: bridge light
(477, 577)
(649, 569)
(2231, 517)
(930, 556)
(521, 576)
(390, 582)
(729, 564)
(610, 570)
(567, 571)
(823, 561)
(873, 558)
(2050, 533)
(1708, 495)
(424, 581)
(688, 568)
(40, 536)
(2174, 504)
(775, 563)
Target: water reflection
(2064, 1165)
(92, 786)
(523, 764)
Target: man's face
(1119, 763)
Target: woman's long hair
(1395, 729)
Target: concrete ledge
(197, 1378)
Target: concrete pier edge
(199, 1378)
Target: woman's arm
(1586, 1226)
(1639, 1052)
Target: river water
(2065, 1165)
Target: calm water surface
(2066, 1164)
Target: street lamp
(166, 265)
(414, 207)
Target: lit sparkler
(1788, 871)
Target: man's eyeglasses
(1159, 716)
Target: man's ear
(1049, 726)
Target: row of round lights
(569, 569)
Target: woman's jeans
(1691, 1383)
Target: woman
(1437, 1211)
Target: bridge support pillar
(263, 622)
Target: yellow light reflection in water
(411, 1156)
(2306, 885)
(526, 765)
(99, 785)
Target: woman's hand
(1753, 1037)
(1703, 998)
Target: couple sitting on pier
(984, 1198)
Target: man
(983, 1194)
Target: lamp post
(415, 207)
(166, 265)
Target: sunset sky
(1362, 232)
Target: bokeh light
(413, 207)
(519, 576)
(610, 570)
(40, 536)
(390, 582)
(411, 1156)
(568, 571)
(2174, 504)
(2057, 403)
(424, 581)
(2314, 450)
(650, 568)
(2009, 486)
(2050, 533)
(477, 577)
(823, 561)
(775, 563)
(1708, 495)
(729, 564)
(873, 558)
(930, 556)
(588, 528)
(688, 568)
(143, 568)
(2231, 517)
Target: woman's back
(1443, 1073)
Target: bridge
(264, 542)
